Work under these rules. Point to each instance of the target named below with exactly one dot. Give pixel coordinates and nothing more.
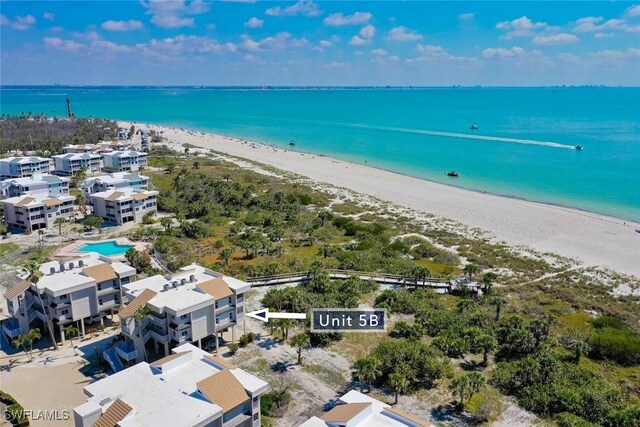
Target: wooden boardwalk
(380, 278)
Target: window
(255, 398)
(217, 320)
(65, 311)
(183, 317)
(216, 304)
(184, 333)
(255, 416)
(100, 301)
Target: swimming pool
(108, 248)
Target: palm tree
(371, 370)
(460, 387)
(196, 165)
(476, 381)
(470, 270)
(300, 341)
(498, 301)
(576, 341)
(487, 281)
(359, 368)
(398, 383)
(59, 222)
(166, 222)
(487, 343)
(140, 314)
(33, 275)
(225, 254)
(80, 202)
(71, 331)
(29, 338)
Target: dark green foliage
(407, 301)
(421, 364)
(405, 330)
(620, 345)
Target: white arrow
(264, 315)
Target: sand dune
(595, 240)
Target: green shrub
(243, 341)
(619, 345)
(570, 420)
(233, 347)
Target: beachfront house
(355, 409)
(73, 292)
(124, 205)
(106, 146)
(32, 212)
(20, 167)
(70, 163)
(193, 305)
(113, 181)
(79, 148)
(38, 183)
(189, 388)
(122, 134)
(125, 160)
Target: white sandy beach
(593, 239)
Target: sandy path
(594, 239)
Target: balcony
(126, 352)
(107, 291)
(237, 420)
(180, 326)
(158, 321)
(156, 336)
(224, 323)
(12, 329)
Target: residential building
(38, 183)
(124, 204)
(80, 148)
(20, 167)
(106, 146)
(81, 290)
(125, 160)
(123, 134)
(193, 305)
(355, 409)
(35, 211)
(189, 388)
(70, 163)
(116, 180)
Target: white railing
(126, 353)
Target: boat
(292, 144)
(453, 173)
(474, 127)
(578, 147)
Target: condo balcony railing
(11, 330)
(126, 352)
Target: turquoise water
(523, 147)
(105, 248)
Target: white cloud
(403, 34)
(211, 26)
(254, 23)
(20, 23)
(430, 49)
(336, 65)
(394, 58)
(466, 16)
(568, 57)
(602, 35)
(49, 16)
(521, 27)
(59, 44)
(633, 11)
(303, 7)
(500, 52)
(364, 37)
(324, 43)
(592, 24)
(562, 38)
(380, 52)
(279, 41)
(129, 25)
(338, 19)
(616, 55)
(175, 13)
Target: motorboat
(453, 174)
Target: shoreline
(592, 238)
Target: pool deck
(71, 250)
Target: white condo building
(38, 183)
(125, 160)
(20, 167)
(72, 291)
(191, 305)
(114, 181)
(355, 409)
(189, 388)
(80, 148)
(35, 211)
(124, 204)
(70, 163)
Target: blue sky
(319, 43)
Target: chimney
(192, 278)
(61, 266)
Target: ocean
(523, 147)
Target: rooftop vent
(61, 266)
(81, 263)
(52, 270)
(183, 282)
(167, 286)
(70, 266)
(192, 278)
(174, 284)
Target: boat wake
(465, 136)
